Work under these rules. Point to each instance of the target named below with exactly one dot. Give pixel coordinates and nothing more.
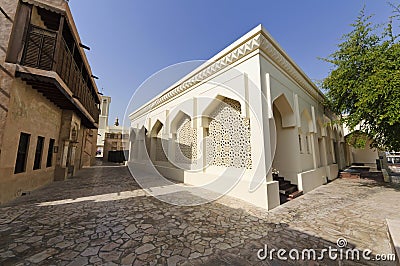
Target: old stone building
(49, 102)
(115, 141)
(110, 137)
(248, 116)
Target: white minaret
(103, 123)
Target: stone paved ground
(102, 217)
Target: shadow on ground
(141, 229)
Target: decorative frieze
(260, 41)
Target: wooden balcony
(46, 50)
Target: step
(283, 198)
(288, 190)
(295, 194)
(284, 186)
(279, 178)
(284, 182)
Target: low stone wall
(332, 171)
(394, 234)
(312, 179)
(265, 196)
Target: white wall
(312, 179)
(311, 167)
(240, 83)
(365, 155)
(256, 82)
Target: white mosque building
(249, 111)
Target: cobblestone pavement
(102, 217)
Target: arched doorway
(321, 145)
(184, 141)
(306, 139)
(285, 159)
(157, 150)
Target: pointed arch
(218, 100)
(321, 130)
(306, 122)
(335, 134)
(286, 111)
(157, 127)
(176, 121)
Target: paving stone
(95, 259)
(110, 256)
(208, 252)
(79, 261)
(186, 252)
(110, 246)
(151, 231)
(223, 246)
(147, 239)
(90, 251)
(195, 255)
(64, 244)
(7, 254)
(172, 261)
(145, 226)
(21, 248)
(166, 253)
(109, 264)
(144, 231)
(81, 247)
(176, 232)
(144, 248)
(131, 229)
(55, 240)
(41, 256)
(129, 244)
(68, 255)
(117, 228)
(129, 259)
(33, 239)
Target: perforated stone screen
(186, 146)
(229, 137)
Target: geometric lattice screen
(186, 142)
(229, 137)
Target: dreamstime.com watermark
(332, 253)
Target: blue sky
(130, 39)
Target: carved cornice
(259, 41)
(276, 53)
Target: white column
(333, 151)
(314, 152)
(141, 145)
(324, 151)
(153, 148)
(172, 148)
(202, 148)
